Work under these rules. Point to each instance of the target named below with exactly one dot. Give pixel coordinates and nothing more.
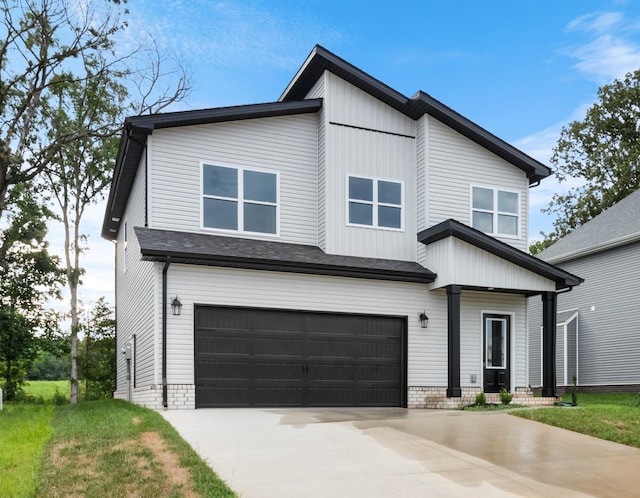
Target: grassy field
(98, 448)
(614, 417)
(47, 389)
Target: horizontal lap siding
(473, 304)
(608, 336)
(456, 163)
(135, 298)
(285, 144)
(229, 287)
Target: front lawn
(615, 417)
(24, 432)
(114, 448)
(97, 448)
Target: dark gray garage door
(257, 357)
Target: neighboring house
(343, 246)
(598, 333)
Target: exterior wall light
(424, 320)
(176, 306)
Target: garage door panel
(254, 357)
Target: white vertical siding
(287, 144)
(373, 150)
(456, 163)
(318, 92)
(135, 295)
(348, 104)
(460, 263)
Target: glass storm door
(496, 352)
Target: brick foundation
(179, 396)
(436, 397)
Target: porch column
(549, 305)
(453, 342)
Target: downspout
(164, 331)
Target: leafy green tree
(601, 154)
(29, 276)
(17, 350)
(97, 352)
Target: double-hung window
(239, 199)
(495, 211)
(375, 203)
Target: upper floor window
(375, 203)
(495, 211)
(239, 199)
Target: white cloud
(612, 53)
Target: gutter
(164, 331)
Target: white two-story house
(343, 246)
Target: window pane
(508, 202)
(389, 192)
(496, 341)
(360, 214)
(219, 181)
(483, 222)
(259, 218)
(508, 224)
(482, 198)
(220, 214)
(389, 217)
(259, 186)
(360, 188)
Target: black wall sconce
(424, 320)
(176, 306)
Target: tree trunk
(73, 398)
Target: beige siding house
(343, 246)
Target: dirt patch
(136, 420)
(176, 475)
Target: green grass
(24, 432)
(113, 448)
(614, 417)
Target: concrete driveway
(388, 452)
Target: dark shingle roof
(214, 250)
(618, 225)
(453, 228)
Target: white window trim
(495, 211)
(240, 199)
(375, 203)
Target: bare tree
(79, 173)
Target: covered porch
(467, 260)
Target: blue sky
(520, 69)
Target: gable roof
(453, 228)
(320, 59)
(235, 252)
(619, 225)
(136, 129)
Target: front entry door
(497, 329)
